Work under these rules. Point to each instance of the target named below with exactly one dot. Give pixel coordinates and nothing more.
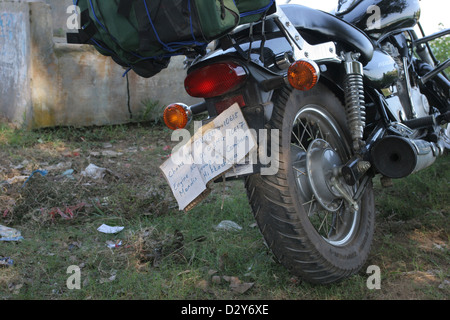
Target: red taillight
(215, 80)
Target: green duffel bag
(253, 10)
(143, 34)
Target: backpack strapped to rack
(144, 34)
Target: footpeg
(443, 118)
(354, 170)
(420, 123)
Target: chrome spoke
(299, 171)
(323, 221)
(299, 142)
(310, 206)
(303, 133)
(306, 129)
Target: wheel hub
(321, 163)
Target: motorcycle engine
(405, 99)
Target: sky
(433, 11)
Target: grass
(170, 255)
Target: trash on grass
(112, 244)
(94, 172)
(6, 262)
(69, 211)
(106, 153)
(15, 179)
(42, 172)
(9, 234)
(228, 225)
(68, 174)
(22, 165)
(60, 166)
(236, 285)
(70, 154)
(108, 229)
(106, 280)
(97, 173)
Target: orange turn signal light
(177, 116)
(303, 74)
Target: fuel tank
(378, 17)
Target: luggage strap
(257, 11)
(85, 34)
(146, 28)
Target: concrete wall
(14, 60)
(59, 15)
(46, 82)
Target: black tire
(278, 201)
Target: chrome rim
(318, 149)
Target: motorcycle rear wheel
(307, 225)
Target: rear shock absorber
(354, 98)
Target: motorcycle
(352, 95)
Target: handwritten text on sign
(213, 150)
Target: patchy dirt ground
(48, 195)
(130, 161)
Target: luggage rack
(324, 52)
